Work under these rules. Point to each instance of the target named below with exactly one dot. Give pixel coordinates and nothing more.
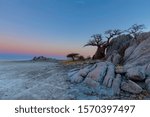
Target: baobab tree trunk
(100, 53)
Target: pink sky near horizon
(23, 45)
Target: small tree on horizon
(72, 56)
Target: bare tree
(72, 55)
(112, 33)
(135, 30)
(102, 45)
(98, 42)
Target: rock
(140, 55)
(114, 57)
(40, 58)
(147, 82)
(71, 73)
(120, 70)
(99, 72)
(84, 72)
(116, 84)
(106, 81)
(147, 71)
(74, 70)
(131, 87)
(143, 36)
(129, 51)
(136, 73)
(109, 75)
(118, 43)
(91, 83)
(34, 58)
(76, 78)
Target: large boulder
(110, 75)
(119, 44)
(129, 51)
(116, 84)
(99, 72)
(76, 78)
(78, 75)
(91, 83)
(84, 72)
(139, 56)
(131, 87)
(136, 73)
(115, 58)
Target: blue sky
(58, 27)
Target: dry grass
(70, 62)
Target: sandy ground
(32, 80)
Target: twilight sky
(58, 27)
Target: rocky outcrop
(137, 62)
(103, 79)
(140, 54)
(127, 69)
(40, 58)
(118, 44)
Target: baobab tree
(100, 44)
(135, 30)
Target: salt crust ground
(32, 80)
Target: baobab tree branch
(111, 33)
(96, 41)
(135, 30)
